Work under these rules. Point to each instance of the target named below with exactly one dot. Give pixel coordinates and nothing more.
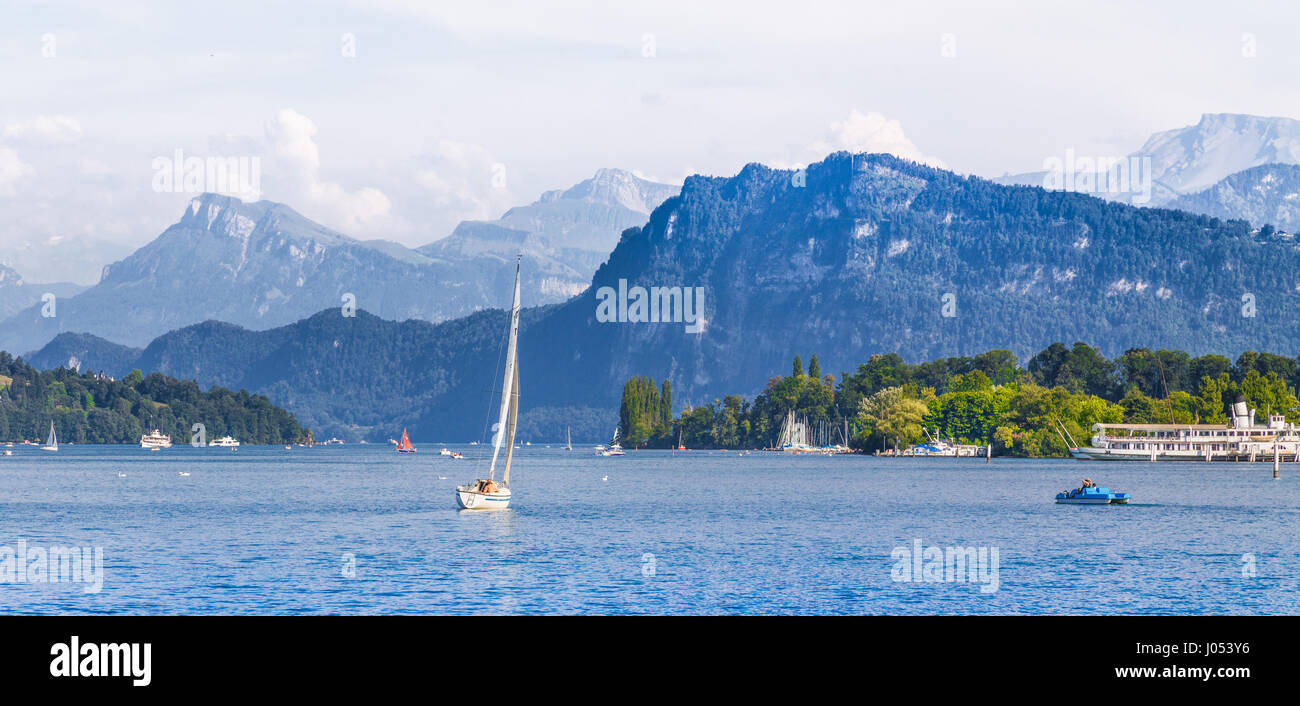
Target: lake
(358, 529)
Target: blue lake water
(363, 530)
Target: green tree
(892, 416)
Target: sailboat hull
(469, 499)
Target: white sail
(509, 391)
(53, 441)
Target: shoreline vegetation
(96, 409)
(889, 403)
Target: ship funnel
(1239, 407)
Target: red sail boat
(404, 446)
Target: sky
(395, 120)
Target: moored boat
(1241, 439)
(226, 441)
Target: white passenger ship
(1239, 440)
(155, 440)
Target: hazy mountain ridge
(1192, 158)
(16, 293)
(354, 377)
(1265, 195)
(262, 265)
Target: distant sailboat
(487, 494)
(52, 443)
(404, 446)
(615, 448)
(568, 445)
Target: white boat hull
(469, 499)
(1092, 453)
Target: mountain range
(262, 265)
(1194, 158)
(16, 293)
(862, 254)
(1265, 195)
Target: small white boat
(8, 452)
(52, 443)
(184, 474)
(155, 440)
(614, 448)
(228, 441)
(121, 474)
(444, 451)
(485, 494)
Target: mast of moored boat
(509, 391)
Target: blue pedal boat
(1092, 496)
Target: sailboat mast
(509, 395)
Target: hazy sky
(391, 119)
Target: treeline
(91, 409)
(889, 402)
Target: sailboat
(404, 446)
(52, 443)
(568, 444)
(615, 448)
(488, 494)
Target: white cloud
(462, 179)
(295, 166)
(47, 129)
(872, 132)
(12, 170)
